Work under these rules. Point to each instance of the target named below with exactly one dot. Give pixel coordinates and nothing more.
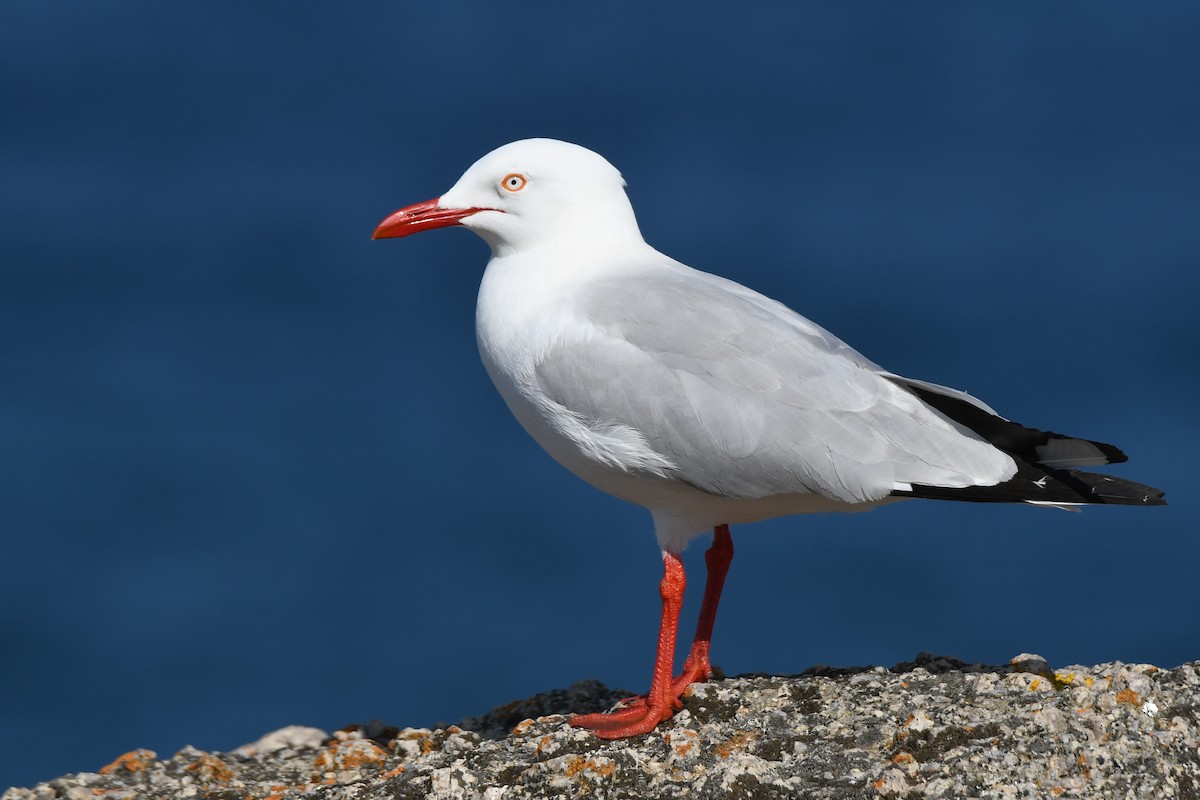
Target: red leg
(697, 666)
(717, 560)
(661, 701)
(644, 712)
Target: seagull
(704, 401)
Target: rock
(293, 736)
(935, 727)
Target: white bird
(702, 400)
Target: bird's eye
(514, 182)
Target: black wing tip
(1114, 454)
(1013, 438)
(1118, 491)
(1038, 484)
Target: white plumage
(679, 390)
(704, 401)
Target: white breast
(523, 310)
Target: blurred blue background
(254, 475)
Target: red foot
(626, 722)
(696, 669)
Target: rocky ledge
(936, 727)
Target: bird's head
(526, 194)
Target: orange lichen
(133, 761)
(1129, 697)
(363, 754)
(391, 773)
(210, 769)
(349, 754)
(902, 758)
(737, 742)
(411, 735)
(424, 740)
(681, 742)
(277, 791)
(577, 765)
(522, 726)
(324, 760)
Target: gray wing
(745, 398)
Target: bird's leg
(717, 559)
(661, 701)
(697, 666)
(642, 713)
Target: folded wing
(746, 399)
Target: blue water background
(252, 473)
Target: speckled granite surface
(932, 728)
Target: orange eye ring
(514, 182)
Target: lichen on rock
(935, 727)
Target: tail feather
(1046, 461)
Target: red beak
(421, 217)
